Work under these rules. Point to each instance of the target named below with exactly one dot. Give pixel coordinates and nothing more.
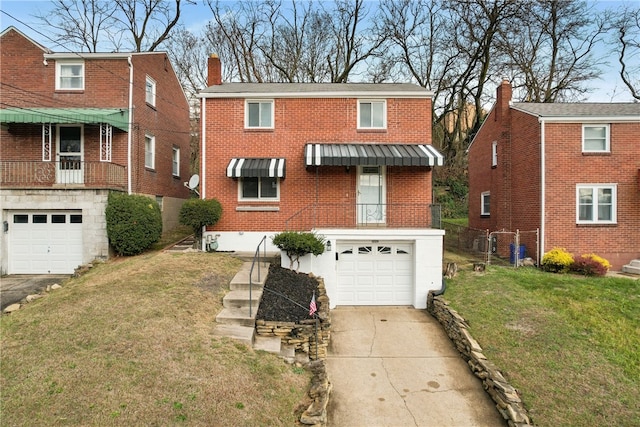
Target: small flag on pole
(312, 306)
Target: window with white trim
(494, 154)
(150, 91)
(259, 188)
(372, 114)
(259, 114)
(595, 138)
(175, 161)
(149, 151)
(485, 203)
(69, 75)
(596, 203)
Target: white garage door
(375, 273)
(45, 242)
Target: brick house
(351, 162)
(74, 127)
(572, 170)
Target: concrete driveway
(14, 288)
(395, 366)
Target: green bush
(557, 260)
(198, 213)
(134, 223)
(296, 244)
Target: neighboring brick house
(572, 170)
(351, 162)
(74, 127)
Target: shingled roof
(582, 109)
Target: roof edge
(35, 43)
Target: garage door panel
(375, 274)
(44, 242)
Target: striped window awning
(372, 154)
(252, 168)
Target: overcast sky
(608, 89)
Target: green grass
(569, 344)
(130, 343)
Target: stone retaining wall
(506, 397)
(302, 335)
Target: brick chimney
(214, 67)
(503, 98)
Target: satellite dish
(193, 183)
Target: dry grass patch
(130, 343)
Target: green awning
(116, 117)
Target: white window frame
(607, 141)
(260, 102)
(175, 161)
(259, 198)
(368, 126)
(150, 96)
(596, 203)
(482, 203)
(59, 66)
(150, 151)
(494, 154)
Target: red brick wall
(301, 121)
(567, 166)
(27, 82)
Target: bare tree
(90, 25)
(627, 26)
(551, 54)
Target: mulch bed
(287, 296)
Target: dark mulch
(283, 289)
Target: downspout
(129, 149)
(203, 162)
(542, 189)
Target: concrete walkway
(395, 366)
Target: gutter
(129, 137)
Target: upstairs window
(485, 203)
(150, 91)
(372, 114)
(259, 188)
(595, 139)
(175, 162)
(149, 151)
(259, 114)
(69, 75)
(494, 154)
(596, 204)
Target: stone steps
(183, 245)
(240, 299)
(633, 267)
(243, 334)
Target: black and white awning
(372, 154)
(251, 168)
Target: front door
(371, 195)
(69, 155)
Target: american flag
(312, 306)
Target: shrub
(198, 213)
(590, 265)
(296, 244)
(557, 260)
(134, 223)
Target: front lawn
(130, 343)
(569, 344)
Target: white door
(69, 155)
(378, 273)
(44, 242)
(371, 195)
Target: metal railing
(350, 215)
(66, 173)
(256, 259)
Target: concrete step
(236, 316)
(244, 334)
(633, 267)
(269, 344)
(248, 256)
(240, 299)
(241, 280)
